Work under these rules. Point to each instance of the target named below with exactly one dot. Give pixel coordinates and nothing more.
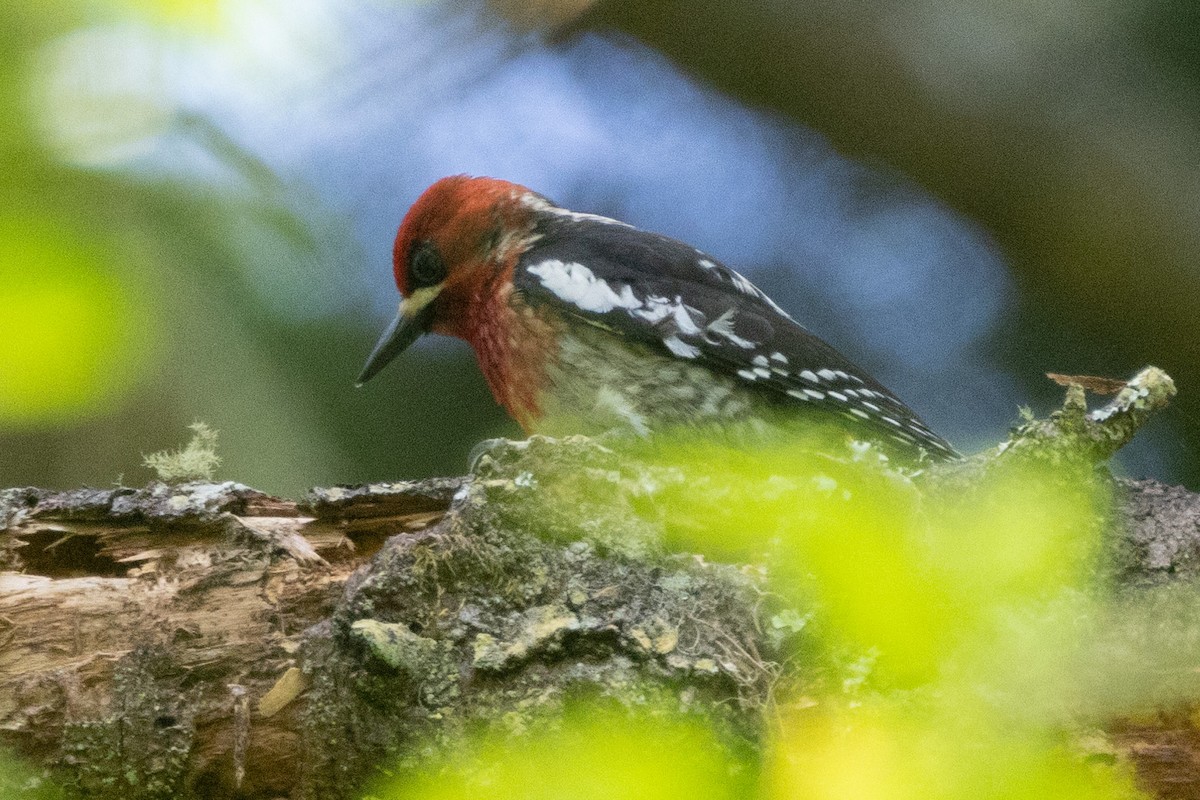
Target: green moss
(506, 610)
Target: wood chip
(293, 684)
(1092, 383)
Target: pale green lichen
(397, 646)
(196, 462)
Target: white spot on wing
(827, 374)
(656, 309)
(723, 326)
(760, 361)
(747, 374)
(680, 347)
(780, 357)
(578, 285)
(810, 376)
(743, 285)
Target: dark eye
(425, 266)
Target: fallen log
(207, 640)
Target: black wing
(671, 296)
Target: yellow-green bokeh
(201, 14)
(1022, 533)
(19, 780)
(924, 750)
(909, 573)
(71, 328)
(593, 752)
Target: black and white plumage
(683, 304)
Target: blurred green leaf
(68, 325)
(594, 752)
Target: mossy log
(209, 641)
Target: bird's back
(654, 333)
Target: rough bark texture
(206, 640)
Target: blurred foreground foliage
(961, 634)
(592, 752)
(940, 637)
(17, 780)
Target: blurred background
(200, 198)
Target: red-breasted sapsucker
(582, 324)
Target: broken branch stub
(1076, 434)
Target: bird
(583, 324)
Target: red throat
(514, 345)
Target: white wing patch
(574, 283)
(579, 286)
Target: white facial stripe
(537, 203)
